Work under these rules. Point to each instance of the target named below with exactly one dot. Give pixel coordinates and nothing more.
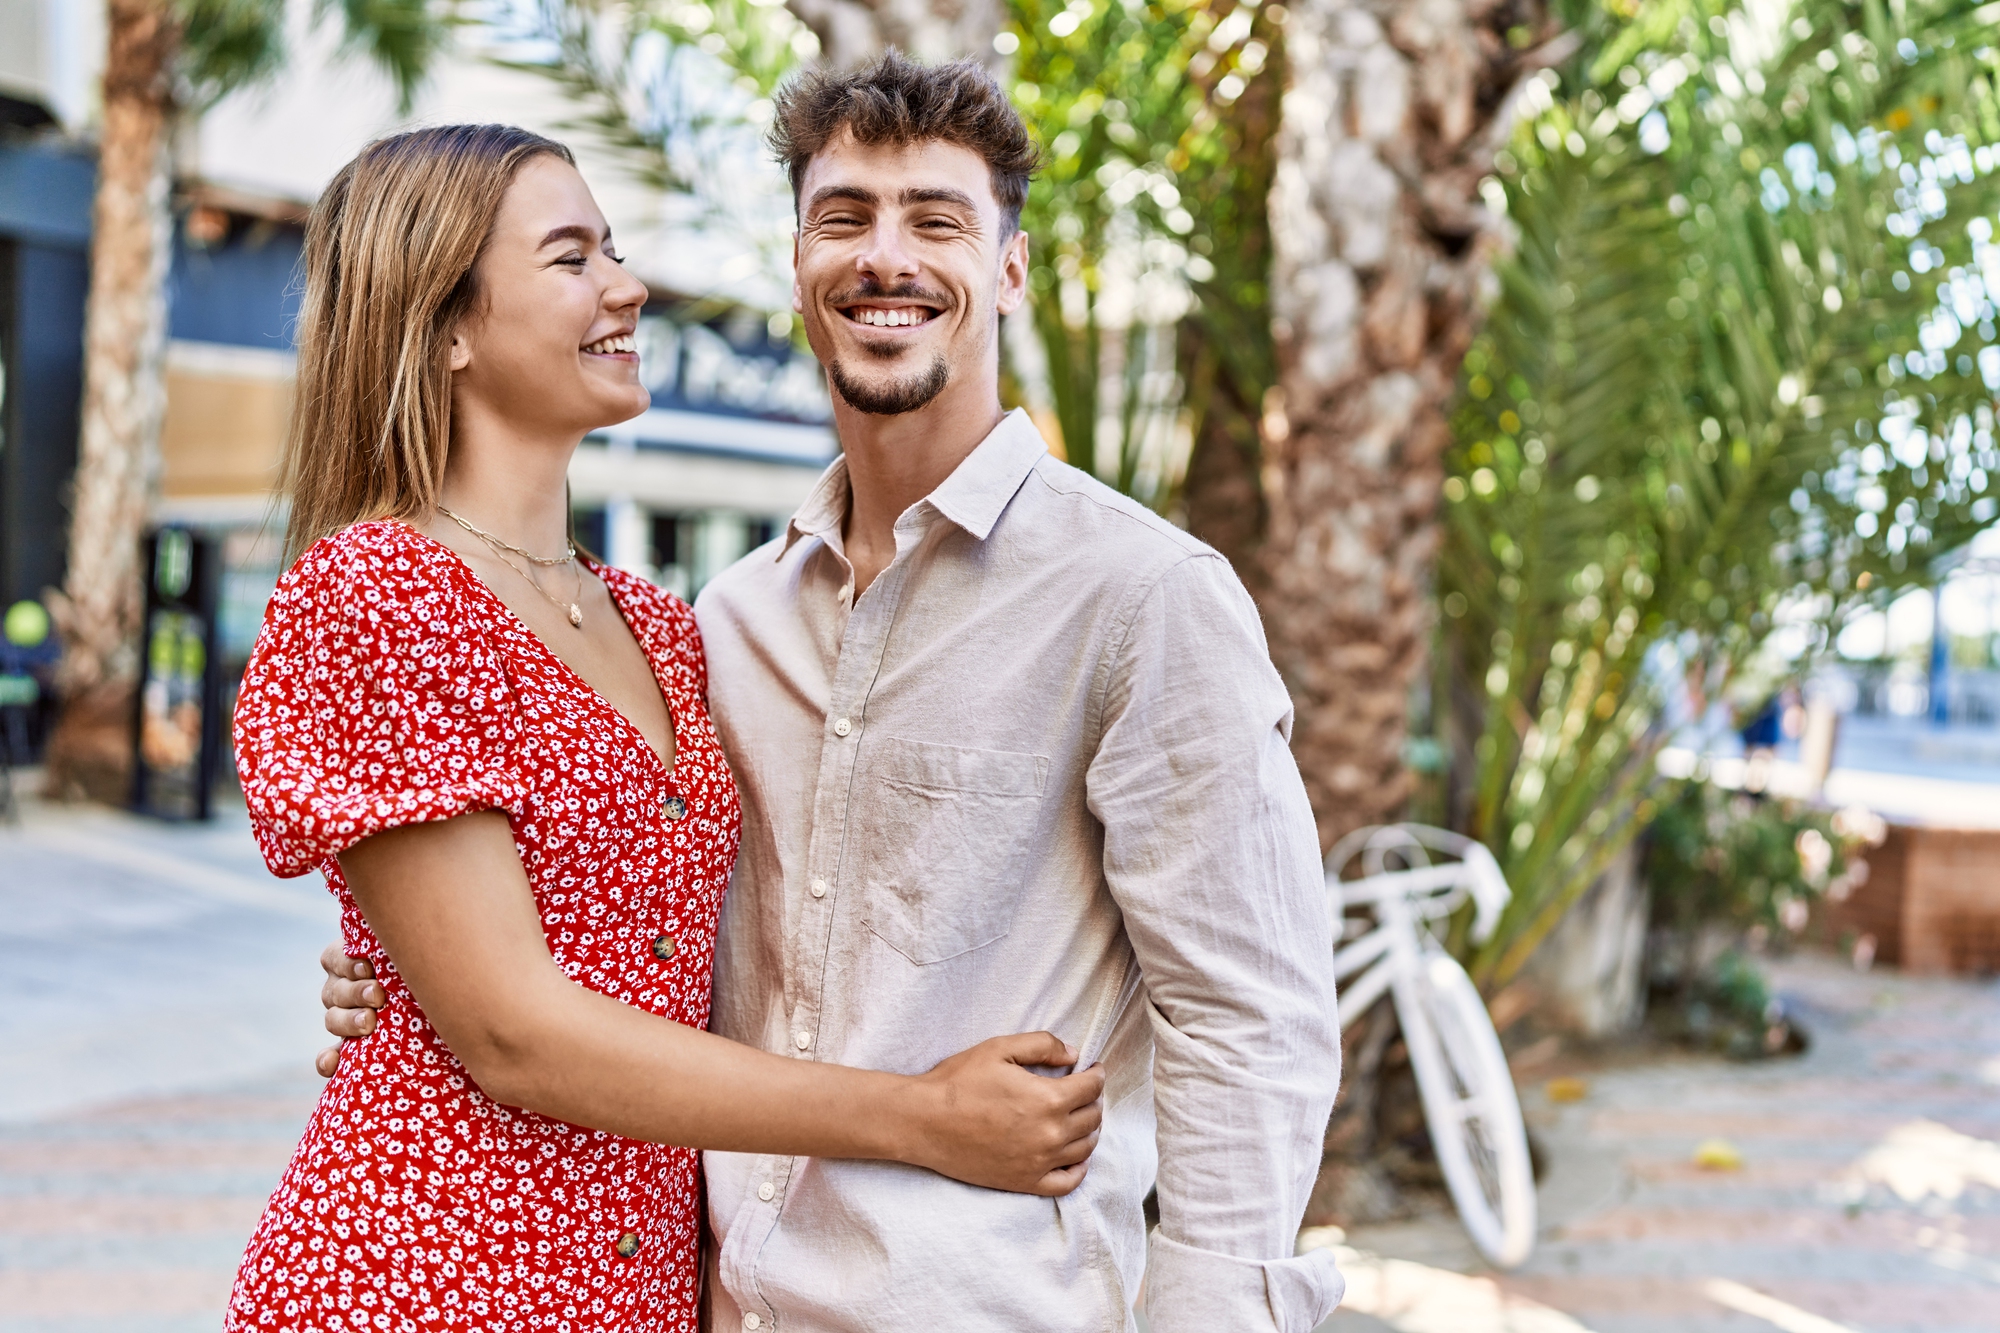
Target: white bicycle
(1468, 1094)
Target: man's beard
(894, 398)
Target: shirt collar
(979, 489)
(973, 496)
(825, 510)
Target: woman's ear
(461, 350)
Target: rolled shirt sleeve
(1210, 851)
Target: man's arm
(1211, 851)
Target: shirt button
(627, 1246)
(674, 808)
(753, 1320)
(819, 888)
(663, 947)
(767, 1191)
(802, 1040)
(842, 727)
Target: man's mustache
(875, 291)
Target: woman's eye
(576, 261)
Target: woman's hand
(450, 903)
(986, 1120)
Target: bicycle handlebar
(1474, 872)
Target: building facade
(736, 434)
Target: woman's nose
(625, 291)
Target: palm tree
(1742, 358)
(1382, 251)
(852, 32)
(163, 57)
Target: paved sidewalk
(158, 1013)
(159, 1007)
(132, 1219)
(139, 958)
(1868, 1199)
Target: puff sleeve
(371, 701)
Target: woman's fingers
(1036, 1048)
(1055, 1184)
(327, 1061)
(1081, 1088)
(1076, 1151)
(1085, 1120)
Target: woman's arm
(450, 903)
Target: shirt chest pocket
(944, 843)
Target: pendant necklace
(572, 609)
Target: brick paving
(1868, 1199)
(133, 1218)
(157, 1023)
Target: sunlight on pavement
(1924, 1158)
(1768, 1308)
(1416, 1298)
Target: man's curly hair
(896, 100)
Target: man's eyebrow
(574, 231)
(852, 193)
(939, 195)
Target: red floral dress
(390, 686)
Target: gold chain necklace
(573, 609)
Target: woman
(497, 752)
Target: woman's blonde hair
(389, 257)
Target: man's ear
(798, 293)
(1013, 287)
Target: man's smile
(880, 316)
(891, 308)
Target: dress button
(802, 1040)
(627, 1246)
(842, 727)
(674, 808)
(819, 888)
(767, 1191)
(663, 947)
(753, 1320)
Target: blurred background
(1597, 396)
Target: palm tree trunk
(99, 609)
(1391, 119)
(852, 32)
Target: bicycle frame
(1469, 1101)
(1404, 902)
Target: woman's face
(551, 348)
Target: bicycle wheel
(1471, 1107)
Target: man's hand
(351, 996)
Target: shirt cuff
(1198, 1291)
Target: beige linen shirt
(1036, 777)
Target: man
(1012, 756)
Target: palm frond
(1717, 376)
(402, 38)
(229, 44)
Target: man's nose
(886, 257)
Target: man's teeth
(617, 342)
(891, 319)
